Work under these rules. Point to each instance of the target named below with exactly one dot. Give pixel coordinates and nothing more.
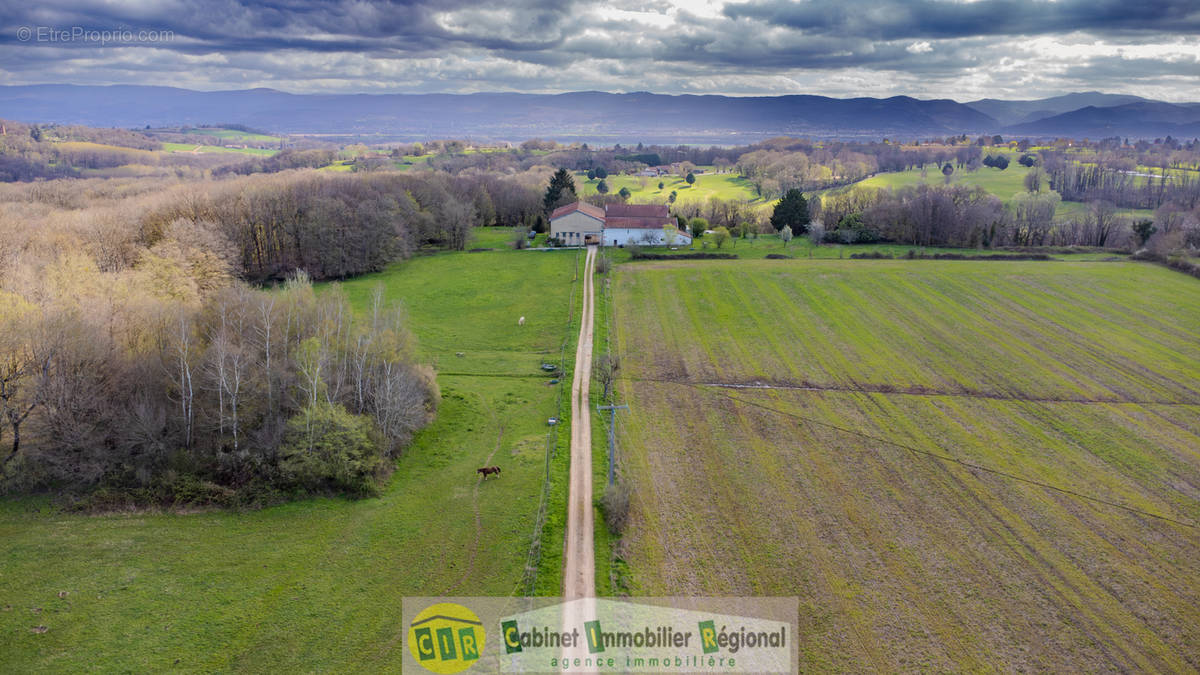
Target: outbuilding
(580, 224)
(577, 224)
(642, 225)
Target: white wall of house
(637, 236)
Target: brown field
(978, 466)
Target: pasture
(316, 585)
(227, 134)
(644, 189)
(957, 466)
(1004, 184)
(204, 148)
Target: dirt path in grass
(579, 570)
(470, 567)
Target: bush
(603, 264)
(1177, 264)
(615, 505)
(325, 448)
(520, 238)
(913, 255)
(640, 255)
(816, 232)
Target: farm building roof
(620, 222)
(637, 210)
(638, 216)
(583, 207)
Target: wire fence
(528, 583)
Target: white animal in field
(521, 321)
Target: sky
(959, 49)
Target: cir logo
(446, 638)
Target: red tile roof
(638, 223)
(637, 210)
(583, 207)
(630, 216)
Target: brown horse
(487, 470)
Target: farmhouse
(616, 225)
(577, 224)
(640, 224)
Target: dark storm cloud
(897, 19)
(843, 47)
(310, 25)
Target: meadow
(230, 134)
(188, 147)
(727, 186)
(1001, 183)
(957, 466)
(316, 585)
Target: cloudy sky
(961, 49)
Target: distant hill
(1144, 118)
(1016, 112)
(596, 117)
(578, 115)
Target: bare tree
(179, 366)
(264, 324)
(1102, 220)
(233, 371)
(401, 397)
(606, 368)
(20, 367)
(458, 219)
(309, 361)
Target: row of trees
(335, 226)
(1127, 188)
(956, 215)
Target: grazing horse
(487, 470)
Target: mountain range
(598, 116)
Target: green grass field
(722, 185)
(752, 248)
(934, 472)
(188, 147)
(232, 134)
(1004, 184)
(317, 585)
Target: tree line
(1121, 184)
(135, 362)
(334, 226)
(966, 216)
(246, 396)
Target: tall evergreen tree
(791, 211)
(560, 191)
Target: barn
(581, 223)
(641, 225)
(577, 224)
